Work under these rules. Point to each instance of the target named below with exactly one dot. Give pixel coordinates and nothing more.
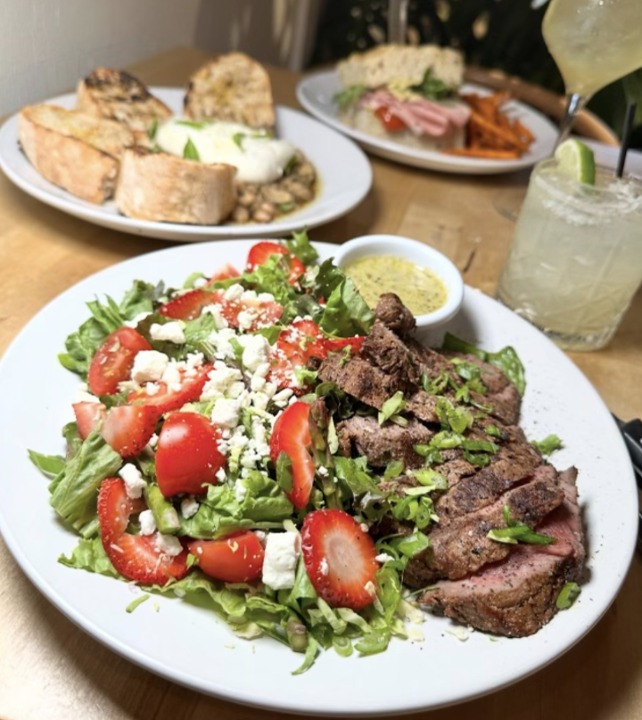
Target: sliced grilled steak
(511, 464)
(385, 349)
(502, 394)
(381, 445)
(516, 597)
(359, 378)
(423, 406)
(462, 547)
(394, 314)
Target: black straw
(626, 138)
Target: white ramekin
(417, 253)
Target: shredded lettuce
(75, 490)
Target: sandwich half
(405, 93)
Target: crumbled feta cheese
(281, 398)
(171, 331)
(281, 555)
(226, 412)
(323, 471)
(240, 491)
(383, 558)
(134, 481)
(149, 365)
(220, 475)
(168, 545)
(221, 342)
(246, 318)
(256, 350)
(216, 311)
(234, 292)
(189, 507)
(172, 375)
(135, 320)
(147, 522)
(221, 378)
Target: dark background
(503, 34)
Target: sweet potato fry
(490, 132)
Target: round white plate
(316, 94)
(345, 177)
(188, 644)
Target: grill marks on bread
(117, 95)
(231, 88)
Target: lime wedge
(576, 161)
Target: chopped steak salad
(267, 440)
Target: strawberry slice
(291, 435)
(166, 399)
(187, 306)
(340, 559)
(258, 313)
(137, 557)
(225, 273)
(237, 558)
(296, 345)
(128, 428)
(261, 252)
(114, 360)
(88, 416)
(338, 344)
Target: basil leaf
(190, 152)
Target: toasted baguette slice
(232, 88)
(401, 65)
(165, 188)
(117, 95)
(75, 151)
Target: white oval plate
(316, 94)
(188, 644)
(345, 177)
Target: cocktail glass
(576, 258)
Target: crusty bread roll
(119, 96)
(403, 65)
(165, 188)
(232, 88)
(76, 151)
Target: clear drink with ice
(576, 259)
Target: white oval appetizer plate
(344, 179)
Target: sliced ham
(421, 116)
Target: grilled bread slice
(76, 151)
(166, 188)
(119, 96)
(232, 88)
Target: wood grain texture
(51, 669)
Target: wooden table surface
(50, 669)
